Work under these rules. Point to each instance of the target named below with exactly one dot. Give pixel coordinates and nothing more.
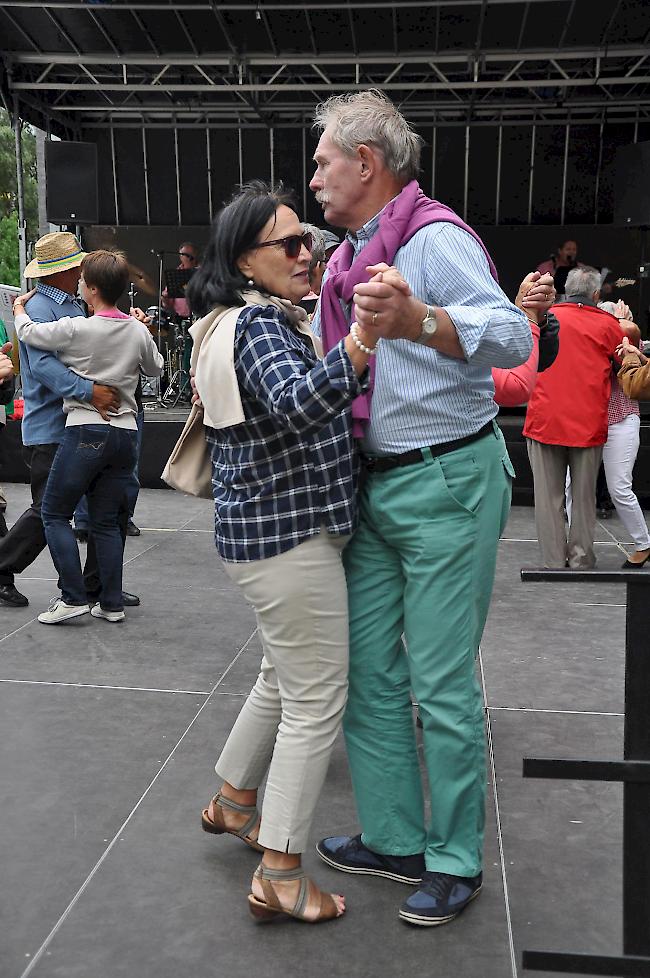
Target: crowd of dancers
(360, 485)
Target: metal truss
(460, 86)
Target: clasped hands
(385, 307)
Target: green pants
(422, 564)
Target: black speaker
(632, 185)
(71, 173)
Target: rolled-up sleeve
(492, 331)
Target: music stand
(176, 280)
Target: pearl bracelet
(354, 333)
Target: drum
(165, 337)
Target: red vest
(569, 403)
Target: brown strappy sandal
(270, 908)
(217, 826)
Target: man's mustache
(322, 198)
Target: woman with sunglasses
(284, 480)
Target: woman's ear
(244, 265)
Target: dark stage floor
(108, 738)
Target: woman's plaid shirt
(291, 465)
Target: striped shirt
(422, 397)
(291, 466)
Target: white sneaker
(98, 612)
(60, 611)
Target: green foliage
(9, 262)
(9, 270)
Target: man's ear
(367, 160)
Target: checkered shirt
(620, 405)
(291, 466)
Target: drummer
(188, 255)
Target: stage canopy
(79, 65)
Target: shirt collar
(58, 295)
(366, 232)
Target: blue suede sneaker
(349, 854)
(440, 898)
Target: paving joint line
(497, 813)
(84, 886)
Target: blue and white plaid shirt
(291, 466)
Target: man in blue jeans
(46, 382)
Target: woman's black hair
(235, 229)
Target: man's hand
(20, 301)
(384, 306)
(105, 400)
(141, 316)
(6, 366)
(536, 295)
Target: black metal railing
(633, 771)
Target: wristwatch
(429, 326)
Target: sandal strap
(234, 806)
(280, 875)
(266, 877)
(244, 832)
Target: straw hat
(55, 252)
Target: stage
(110, 734)
(163, 427)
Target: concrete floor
(108, 736)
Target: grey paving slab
(548, 652)
(177, 898)
(178, 641)
(73, 763)
(562, 839)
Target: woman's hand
(195, 394)
(536, 295)
(622, 311)
(20, 301)
(626, 347)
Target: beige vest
(213, 356)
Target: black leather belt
(384, 463)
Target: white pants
(291, 718)
(619, 456)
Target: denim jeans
(96, 460)
(132, 490)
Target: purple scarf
(410, 211)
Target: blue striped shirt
(422, 397)
(291, 466)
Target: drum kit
(172, 337)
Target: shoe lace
(439, 885)
(53, 604)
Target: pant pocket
(92, 444)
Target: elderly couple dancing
(405, 394)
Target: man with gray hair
(566, 421)
(435, 499)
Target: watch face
(429, 325)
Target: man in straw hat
(45, 383)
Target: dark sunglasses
(292, 244)
(186, 254)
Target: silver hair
(582, 281)
(318, 246)
(370, 119)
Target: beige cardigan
(213, 356)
